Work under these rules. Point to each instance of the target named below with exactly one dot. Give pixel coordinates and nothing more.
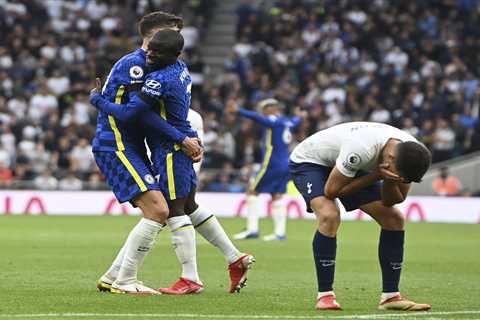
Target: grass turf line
(50, 264)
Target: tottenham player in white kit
(363, 165)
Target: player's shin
(208, 226)
(184, 244)
(324, 253)
(279, 215)
(140, 240)
(390, 253)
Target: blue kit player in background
(165, 96)
(119, 151)
(273, 175)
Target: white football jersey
(351, 146)
(196, 122)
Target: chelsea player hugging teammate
(165, 96)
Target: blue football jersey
(127, 74)
(170, 89)
(276, 139)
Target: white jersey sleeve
(352, 157)
(196, 122)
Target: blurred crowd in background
(412, 64)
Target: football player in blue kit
(119, 151)
(273, 176)
(166, 95)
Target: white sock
(139, 242)
(325, 293)
(208, 226)
(279, 215)
(112, 273)
(387, 295)
(252, 213)
(183, 242)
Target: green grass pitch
(49, 266)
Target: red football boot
(328, 302)
(238, 272)
(183, 286)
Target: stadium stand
(407, 63)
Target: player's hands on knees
(192, 147)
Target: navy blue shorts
(310, 180)
(175, 174)
(270, 180)
(128, 173)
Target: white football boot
(135, 288)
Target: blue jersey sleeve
(138, 107)
(295, 121)
(153, 89)
(264, 120)
(157, 123)
(123, 112)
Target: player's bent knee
(190, 207)
(324, 207)
(155, 213)
(393, 220)
(153, 205)
(328, 215)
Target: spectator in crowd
(6, 175)
(404, 63)
(446, 184)
(46, 181)
(443, 141)
(70, 182)
(81, 158)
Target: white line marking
(424, 315)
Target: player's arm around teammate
(169, 86)
(137, 109)
(121, 157)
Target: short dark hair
(412, 161)
(158, 19)
(166, 45)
